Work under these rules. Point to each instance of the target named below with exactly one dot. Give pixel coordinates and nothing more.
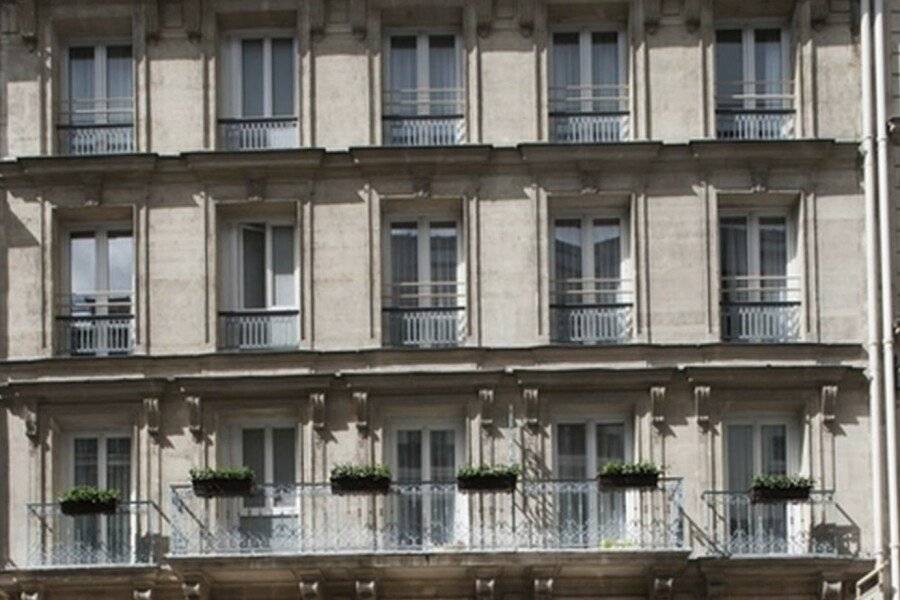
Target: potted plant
(629, 475)
(360, 479)
(777, 488)
(88, 500)
(488, 478)
(223, 482)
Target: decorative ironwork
(424, 117)
(259, 134)
(755, 110)
(259, 330)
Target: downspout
(887, 300)
(872, 314)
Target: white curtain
(283, 77)
(773, 257)
(769, 67)
(119, 83)
(566, 73)
(568, 257)
(118, 477)
(729, 68)
(404, 81)
(607, 258)
(283, 284)
(404, 262)
(82, 90)
(252, 78)
(442, 75)
(733, 253)
(443, 246)
(605, 71)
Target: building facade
(293, 234)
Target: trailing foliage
(90, 494)
(489, 471)
(639, 468)
(227, 473)
(782, 482)
(350, 471)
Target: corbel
(652, 13)
(142, 594)
(484, 589)
(366, 590)
(32, 431)
(590, 183)
(662, 588)
(484, 13)
(829, 403)
(702, 405)
(193, 589)
(151, 415)
(309, 590)
(759, 180)
(361, 406)
(486, 397)
(92, 188)
(30, 595)
(692, 15)
(525, 12)
(192, 17)
(358, 17)
(818, 13)
(422, 186)
(256, 189)
(316, 19)
(532, 407)
(657, 404)
(832, 589)
(543, 588)
(317, 406)
(195, 416)
(152, 19)
(26, 17)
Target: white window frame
(423, 62)
(101, 435)
(231, 49)
(793, 435)
(748, 48)
(235, 456)
(591, 423)
(585, 51)
(235, 286)
(100, 59)
(753, 216)
(101, 233)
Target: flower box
(487, 483)
(88, 500)
(349, 479)
(780, 488)
(629, 480)
(222, 483)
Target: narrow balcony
(259, 134)
(424, 314)
(591, 311)
(129, 536)
(424, 117)
(307, 519)
(738, 526)
(589, 114)
(755, 110)
(250, 330)
(95, 324)
(761, 309)
(96, 126)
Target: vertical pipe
(887, 301)
(872, 315)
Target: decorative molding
(30, 595)
(317, 406)
(702, 404)
(192, 17)
(193, 589)
(662, 588)
(759, 180)
(366, 590)
(195, 416)
(484, 589)
(92, 188)
(142, 594)
(32, 431)
(525, 11)
(658, 404)
(152, 19)
(256, 189)
(543, 588)
(317, 19)
(486, 397)
(652, 15)
(358, 16)
(532, 406)
(832, 590)
(361, 406)
(151, 415)
(692, 15)
(484, 14)
(26, 19)
(829, 403)
(422, 186)
(818, 13)
(309, 590)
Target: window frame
(748, 52)
(101, 48)
(231, 106)
(423, 67)
(585, 56)
(101, 231)
(793, 442)
(591, 421)
(753, 216)
(234, 281)
(101, 435)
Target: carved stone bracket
(484, 589)
(195, 416)
(486, 397)
(26, 17)
(759, 180)
(832, 590)
(317, 406)
(366, 590)
(316, 19)
(151, 415)
(702, 404)
(692, 15)
(543, 588)
(32, 431)
(361, 406)
(658, 404)
(30, 595)
(309, 590)
(525, 10)
(652, 14)
(818, 13)
(256, 189)
(194, 589)
(662, 588)
(532, 407)
(484, 13)
(829, 403)
(142, 594)
(358, 18)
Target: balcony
(589, 114)
(761, 309)
(126, 537)
(424, 117)
(96, 126)
(591, 311)
(259, 134)
(814, 527)
(95, 324)
(424, 314)
(259, 330)
(307, 519)
(755, 110)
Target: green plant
(489, 471)
(781, 482)
(350, 471)
(638, 468)
(231, 473)
(89, 494)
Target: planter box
(222, 488)
(758, 495)
(360, 485)
(628, 481)
(487, 483)
(85, 507)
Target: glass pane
(443, 263)
(404, 263)
(774, 449)
(86, 462)
(283, 77)
(443, 455)
(566, 73)
(442, 74)
(119, 83)
(121, 271)
(610, 443)
(283, 282)
(81, 85)
(83, 271)
(567, 250)
(611, 504)
(769, 68)
(254, 452)
(571, 450)
(773, 258)
(404, 80)
(605, 71)
(729, 68)
(283, 452)
(254, 266)
(607, 242)
(733, 248)
(252, 77)
(118, 465)
(740, 457)
(409, 455)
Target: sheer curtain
(82, 271)
(442, 451)
(773, 258)
(404, 264)
(568, 257)
(605, 71)
(607, 244)
(119, 83)
(571, 455)
(118, 477)
(611, 507)
(254, 267)
(81, 85)
(769, 67)
(442, 75)
(120, 264)
(444, 262)
(252, 78)
(283, 77)
(566, 73)
(403, 95)
(729, 68)
(733, 253)
(283, 283)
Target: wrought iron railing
(424, 117)
(583, 114)
(427, 516)
(591, 311)
(96, 126)
(129, 536)
(815, 527)
(95, 323)
(761, 309)
(259, 329)
(424, 314)
(755, 110)
(259, 134)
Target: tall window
(591, 299)
(96, 314)
(423, 99)
(97, 109)
(259, 100)
(424, 295)
(589, 90)
(754, 87)
(760, 295)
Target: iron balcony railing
(259, 329)
(591, 311)
(95, 323)
(589, 114)
(427, 517)
(755, 110)
(129, 536)
(424, 117)
(424, 314)
(761, 309)
(259, 133)
(815, 527)
(96, 126)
